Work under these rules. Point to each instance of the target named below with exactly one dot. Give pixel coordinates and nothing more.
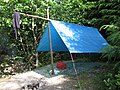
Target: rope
(76, 73)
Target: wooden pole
(49, 34)
(75, 71)
(21, 40)
(35, 44)
(34, 16)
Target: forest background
(18, 55)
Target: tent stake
(49, 35)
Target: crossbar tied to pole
(34, 16)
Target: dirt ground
(63, 80)
(59, 82)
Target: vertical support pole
(21, 40)
(50, 40)
(75, 70)
(36, 53)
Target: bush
(112, 80)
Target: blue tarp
(73, 38)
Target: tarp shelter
(73, 38)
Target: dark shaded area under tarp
(80, 67)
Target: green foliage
(12, 49)
(70, 10)
(109, 14)
(113, 31)
(112, 81)
(109, 82)
(24, 46)
(103, 14)
(118, 79)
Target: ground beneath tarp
(41, 79)
(80, 67)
